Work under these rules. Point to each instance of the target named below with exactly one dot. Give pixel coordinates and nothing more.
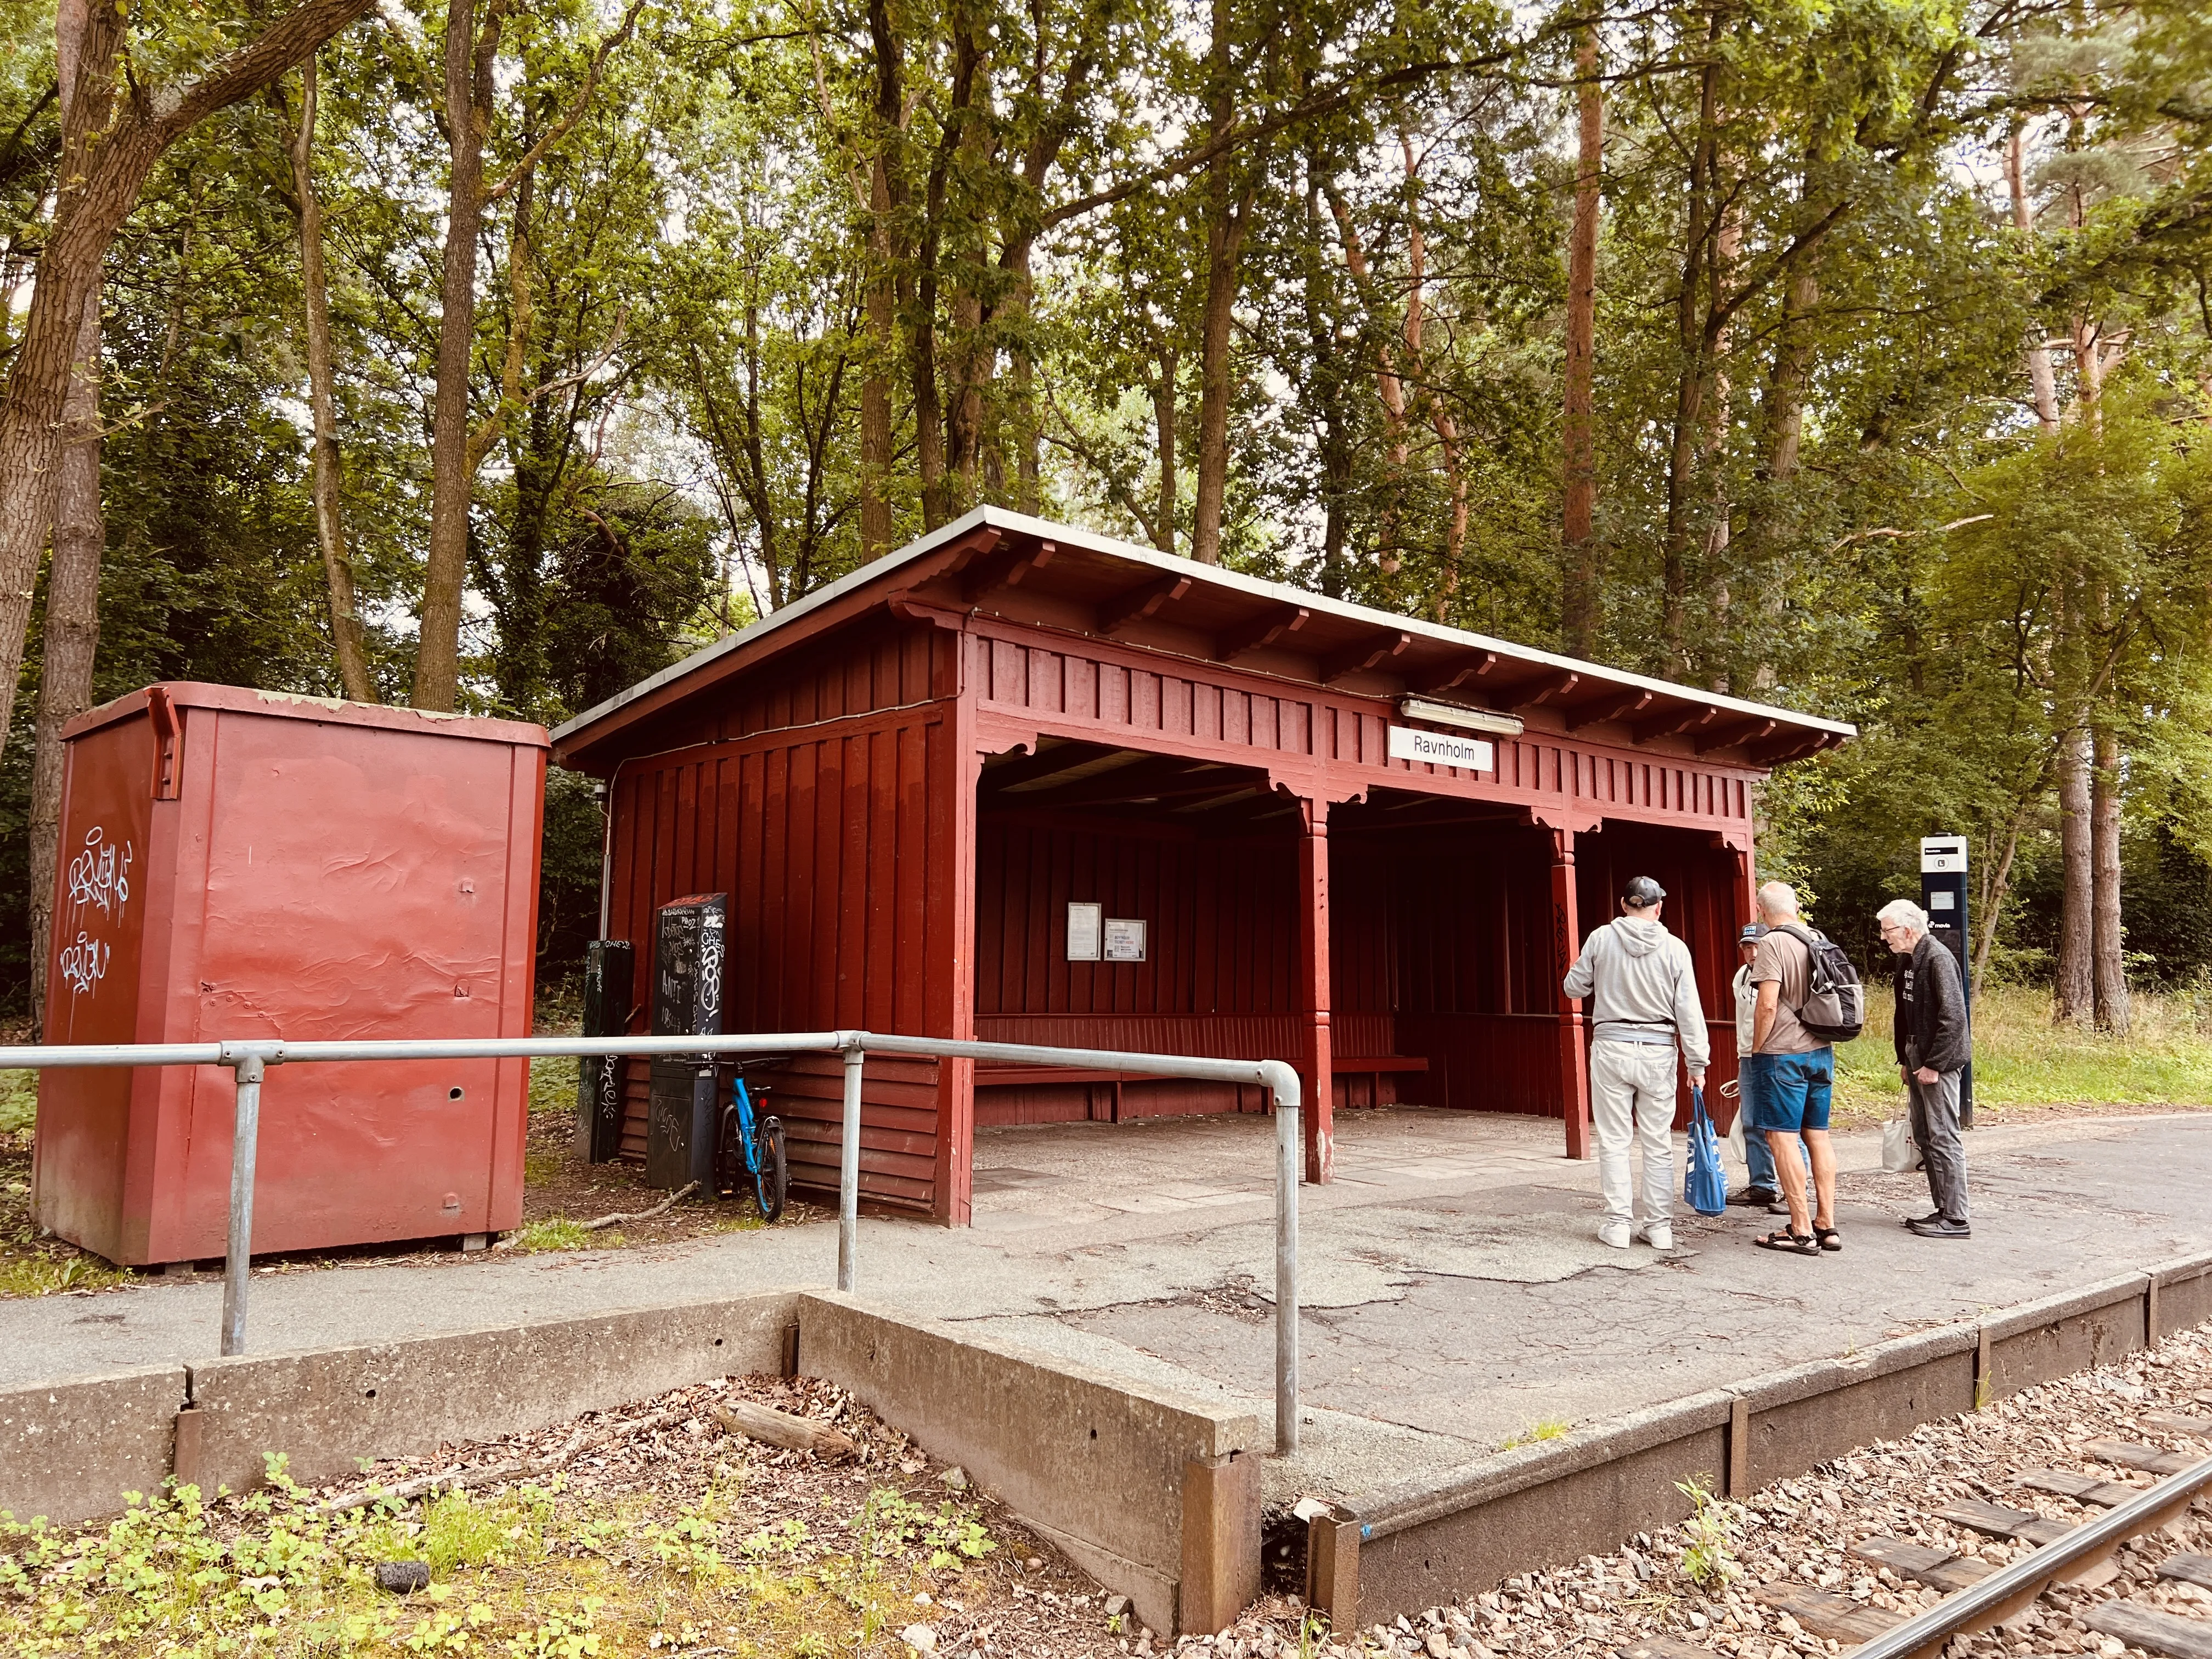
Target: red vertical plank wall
(1221, 948)
(805, 803)
(1705, 908)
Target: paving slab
(1456, 1294)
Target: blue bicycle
(750, 1151)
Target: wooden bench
(1373, 1067)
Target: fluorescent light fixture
(1468, 720)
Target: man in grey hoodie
(1643, 1003)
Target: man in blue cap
(1761, 1185)
(1643, 1003)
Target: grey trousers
(1936, 1131)
(1633, 1104)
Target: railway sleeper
(2169, 1633)
(2130, 1454)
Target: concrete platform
(1455, 1292)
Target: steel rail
(249, 1061)
(2017, 1583)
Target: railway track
(2102, 1555)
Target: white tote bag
(1900, 1154)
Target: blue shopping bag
(1705, 1182)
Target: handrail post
(848, 1173)
(1288, 1156)
(245, 1134)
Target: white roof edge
(1001, 518)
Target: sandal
(1828, 1238)
(1781, 1239)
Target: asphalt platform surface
(1456, 1294)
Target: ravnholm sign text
(1435, 749)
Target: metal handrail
(249, 1061)
(2018, 1582)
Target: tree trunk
(1228, 217)
(71, 639)
(468, 89)
(99, 192)
(1581, 606)
(2042, 386)
(1997, 883)
(1784, 417)
(71, 635)
(1163, 437)
(886, 195)
(2074, 990)
(2108, 948)
(1695, 364)
(328, 476)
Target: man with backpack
(1809, 999)
(1642, 994)
(1933, 1047)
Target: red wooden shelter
(1025, 782)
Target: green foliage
(19, 1101)
(1709, 1556)
(558, 1233)
(1822, 476)
(533, 1571)
(2020, 1058)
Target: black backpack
(1834, 1009)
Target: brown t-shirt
(1785, 960)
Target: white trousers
(1632, 1100)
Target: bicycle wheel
(729, 1151)
(772, 1179)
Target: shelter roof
(1068, 580)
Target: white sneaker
(1659, 1234)
(1614, 1233)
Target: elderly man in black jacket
(1933, 1046)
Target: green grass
(531, 1572)
(553, 1085)
(51, 1274)
(2020, 1060)
(1550, 1428)
(559, 1233)
(19, 1101)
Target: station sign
(1409, 743)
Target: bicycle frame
(745, 1104)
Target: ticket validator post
(1943, 896)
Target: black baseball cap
(1753, 933)
(1641, 892)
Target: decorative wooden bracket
(1135, 604)
(903, 604)
(1795, 745)
(1370, 652)
(1599, 710)
(1560, 682)
(1004, 568)
(1452, 677)
(1728, 737)
(1674, 723)
(1261, 630)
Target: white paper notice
(1125, 941)
(1083, 932)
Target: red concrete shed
(1019, 781)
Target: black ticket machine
(1943, 896)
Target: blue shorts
(1789, 1092)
